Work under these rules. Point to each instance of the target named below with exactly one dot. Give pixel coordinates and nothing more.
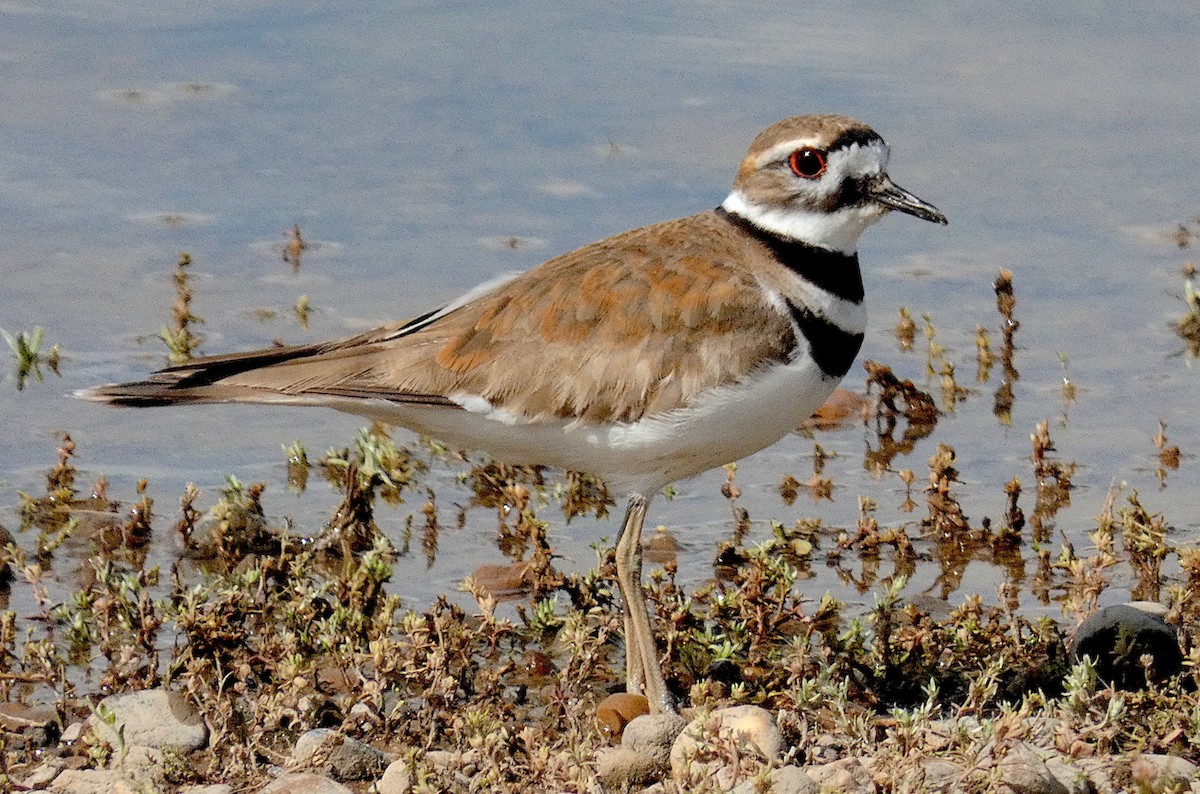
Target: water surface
(412, 141)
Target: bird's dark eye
(807, 163)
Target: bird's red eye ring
(807, 163)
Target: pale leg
(642, 668)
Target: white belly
(726, 424)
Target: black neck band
(831, 271)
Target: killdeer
(643, 358)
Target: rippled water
(412, 143)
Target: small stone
(1118, 636)
(93, 781)
(618, 710)
(38, 725)
(1022, 771)
(440, 758)
(839, 406)
(215, 788)
(502, 581)
(751, 727)
(156, 718)
(654, 735)
(939, 774)
(397, 779)
(41, 777)
(337, 755)
(661, 547)
(1071, 777)
(1156, 772)
(620, 768)
(72, 733)
(1098, 772)
(785, 780)
(847, 775)
(144, 764)
(304, 783)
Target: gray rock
(41, 777)
(620, 768)
(1118, 636)
(38, 725)
(143, 764)
(784, 780)
(1155, 772)
(1022, 771)
(846, 775)
(397, 779)
(940, 774)
(443, 758)
(338, 756)
(72, 733)
(216, 788)
(1072, 777)
(156, 718)
(93, 781)
(1097, 772)
(751, 728)
(304, 783)
(653, 735)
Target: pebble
(144, 764)
(784, 780)
(621, 769)
(93, 781)
(1072, 777)
(654, 735)
(1155, 772)
(341, 757)
(645, 751)
(1024, 772)
(618, 710)
(502, 581)
(156, 718)
(939, 774)
(846, 775)
(304, 783)
(750, 727)
(41, 777)
(216, 788)
(1117, 637)
(397, 779)
(39, 725)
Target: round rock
(157, 718)
(622, 769)
(337, 755)
(304, 783)
(1157, 772)
(1118, 636)
(397, 779)
(751, 727)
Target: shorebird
(643, 358)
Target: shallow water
(412, 143)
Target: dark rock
(1118, 636)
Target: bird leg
(643, 672)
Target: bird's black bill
(892, 196)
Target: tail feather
(191, 382)
(206, 380)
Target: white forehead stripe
(857, 159)
(854, 159)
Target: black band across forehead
(860, 135)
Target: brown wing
(632, 325)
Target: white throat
(838, 231)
